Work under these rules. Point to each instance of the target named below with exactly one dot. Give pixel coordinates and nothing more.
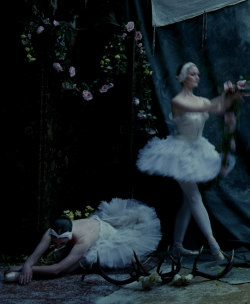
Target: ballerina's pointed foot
(178, 250)
(215, 249)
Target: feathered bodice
(190, 125)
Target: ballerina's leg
(200, 214)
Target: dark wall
(88, 151)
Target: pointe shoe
(11, 277)
(215, 249)
(178, 250)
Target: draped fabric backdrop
(219, 43)
(167, 12)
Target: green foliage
(52, 39)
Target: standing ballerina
(188, 157)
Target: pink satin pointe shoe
(215, 249)
(178, 250)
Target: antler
(228, 267)
(175, 268)
(137, 271)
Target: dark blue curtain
(219, 43)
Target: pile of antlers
(138, 271)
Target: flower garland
(77, 214)
(230, 125)
(113, 63)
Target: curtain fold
(166, 12)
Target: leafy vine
(113, 63)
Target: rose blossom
(40, 29)
(104, 88)
(138, 36)
(130, 26)
(241, 84)
(72, 71)
(87, 95)
(57, 67)
(228, 86)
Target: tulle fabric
(184, 160)
(126, 225)
(186, 156)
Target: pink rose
(104, 88)
(87, 95)
(40, 29)
(130, 26)
(57, 67)
(228, 86)
(241, 84)
(72, 71)
(138, 36)
(230, 121)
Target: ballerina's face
(192, 79)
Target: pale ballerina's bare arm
(216, 105)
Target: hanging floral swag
(114, 62)
(231, 124)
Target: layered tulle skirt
(180, 158)
(126, 226)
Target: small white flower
(180, 280)
(40, 29)
(57, 67)
(72, 71)
(150, 281)
(136, 101)
(56, 23)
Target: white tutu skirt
(126, 225)
(182, 159)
